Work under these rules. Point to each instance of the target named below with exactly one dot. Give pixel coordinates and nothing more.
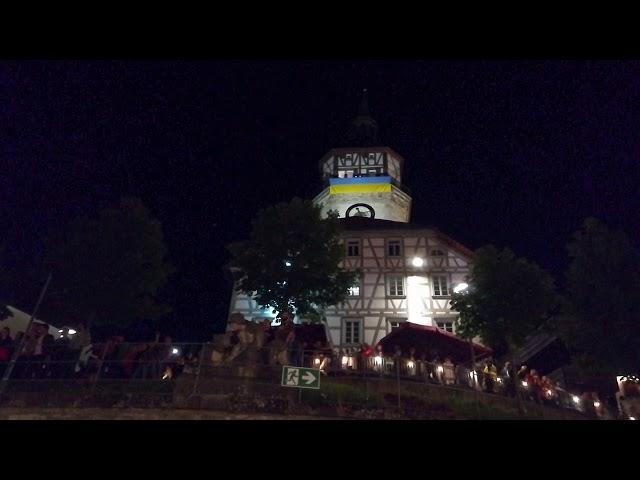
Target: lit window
(352, 331)
(353, 248)
(446, 325)
(394, 248)
(354, 291)
(395, 284)
(440, 286)
(436, 252)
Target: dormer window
(436, 252)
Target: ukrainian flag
(359, 185)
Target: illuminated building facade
(409, 270)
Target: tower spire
(363, 130)
(364, 105)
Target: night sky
(514, 153)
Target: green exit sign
(300, 377)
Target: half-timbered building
(409, 270)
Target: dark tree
(602, 321)
(508, 298)
(292, 260)
(109, 270)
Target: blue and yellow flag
(359, 185)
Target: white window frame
(351, 241)
(451, 321)
(398, 320)
(403, 285)
(348, 322)
(394, 241)
(439, 284)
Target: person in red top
(547, 393)
(533, 385)
(5, 344)
(366, 353)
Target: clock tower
(364, 180)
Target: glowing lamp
(345, 360)
(596, 404)
(417, 262)
(60, 331)
(525, 384)
(440, 369)
(316, 361)
(410, 364)
(461, 287)
(287, 263)
(175, 351)
(576, 399)
(72, 331)
(632, 418)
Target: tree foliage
(291, 260)
(507, 300)
(109, 270)
(602, 321)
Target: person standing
(78, 342)
(490, 375)
(448, 373)
(5, 348)
(284, 337)
(508, 377)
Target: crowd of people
(73, 355)
(485, 375)
(251, 342)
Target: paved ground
(135, 414)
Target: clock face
(361, 210)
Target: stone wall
(134, 414)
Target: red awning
(431, 341)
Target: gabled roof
(373, 224)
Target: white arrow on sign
(308, 377)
